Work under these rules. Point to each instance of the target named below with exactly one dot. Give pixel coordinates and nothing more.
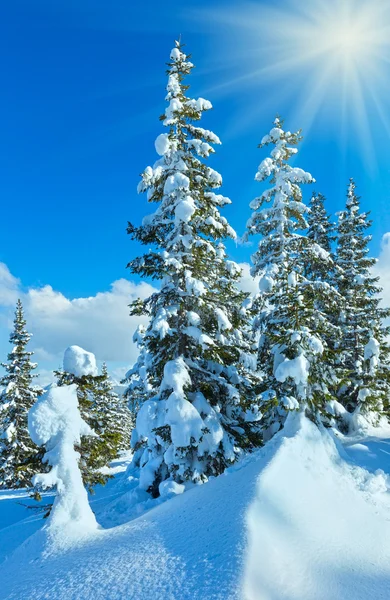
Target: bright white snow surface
(79, 362)
(55, 423)
(300, 520)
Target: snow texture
(296, 368)
(55, 423)
(372, 353)
(299, 520)
(183, 418)
(79, 362)
(318, 527)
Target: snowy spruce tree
(292, 352)
(200, 412)
(321, 232)
(138, 386)
(111, 417)
(55, 424)
(365, 350)
(19, 457)
(80, 369)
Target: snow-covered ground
(306, 518)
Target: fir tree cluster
(218, 371)
(105, 412)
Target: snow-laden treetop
(278, 213)
(79, 362)
(179, 180)
(55, 423)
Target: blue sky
(83, 87)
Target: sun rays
(331, 58)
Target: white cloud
(100, 324)
(382, 268)
(247, 283)
(9, 286)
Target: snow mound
(319, 527)
(79, 362)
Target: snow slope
(319, 527)
(295, 521)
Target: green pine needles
(218, 372)
(20, 459)
(199, 387)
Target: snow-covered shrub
(55, 423)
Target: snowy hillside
(300, 520)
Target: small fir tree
(19, 457)
(365, 350)
(321, 232)
(93, 456)
(293, 352)
(200, 409)
(102, 409)
(55, 424)
(80, 369)
(112, 418)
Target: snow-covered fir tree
(138, 386)
(79, 368)
(201, 411)
(321, 232)
(323, 267)
(19, 457)
(365, 350)
(112, 418)
(292, 352)
(55, 424)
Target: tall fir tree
(201, 410)
(20, 459)
(365, 350)
(293, 352)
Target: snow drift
(297, 520)
(319, 527)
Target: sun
(344, 42)
(329, 56)
(343, 31)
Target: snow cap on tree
(79, 362)
(80, 368)
(55, 423)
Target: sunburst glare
(330, 56)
